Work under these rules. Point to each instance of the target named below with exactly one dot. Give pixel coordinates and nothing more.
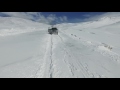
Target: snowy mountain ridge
(103, 21)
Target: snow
(13, 26)
(80, 50)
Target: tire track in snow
(49, 69)
(84, 68)
(93, 46)
(41, 70)
(51, 63)
(108, 53)
(66, 53)
(71, 66)
(97, 47)
(67, 63)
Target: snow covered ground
(80, 50)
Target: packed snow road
(41, 55)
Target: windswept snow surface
(80, 50)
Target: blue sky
(58, 17)
(73, 16)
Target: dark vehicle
(53, 30)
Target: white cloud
(19, 14)
(43, 20)
(64, 18)
(36, 16)
(52, 18)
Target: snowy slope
(12, 26)
(80, 50)
(101, 33)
